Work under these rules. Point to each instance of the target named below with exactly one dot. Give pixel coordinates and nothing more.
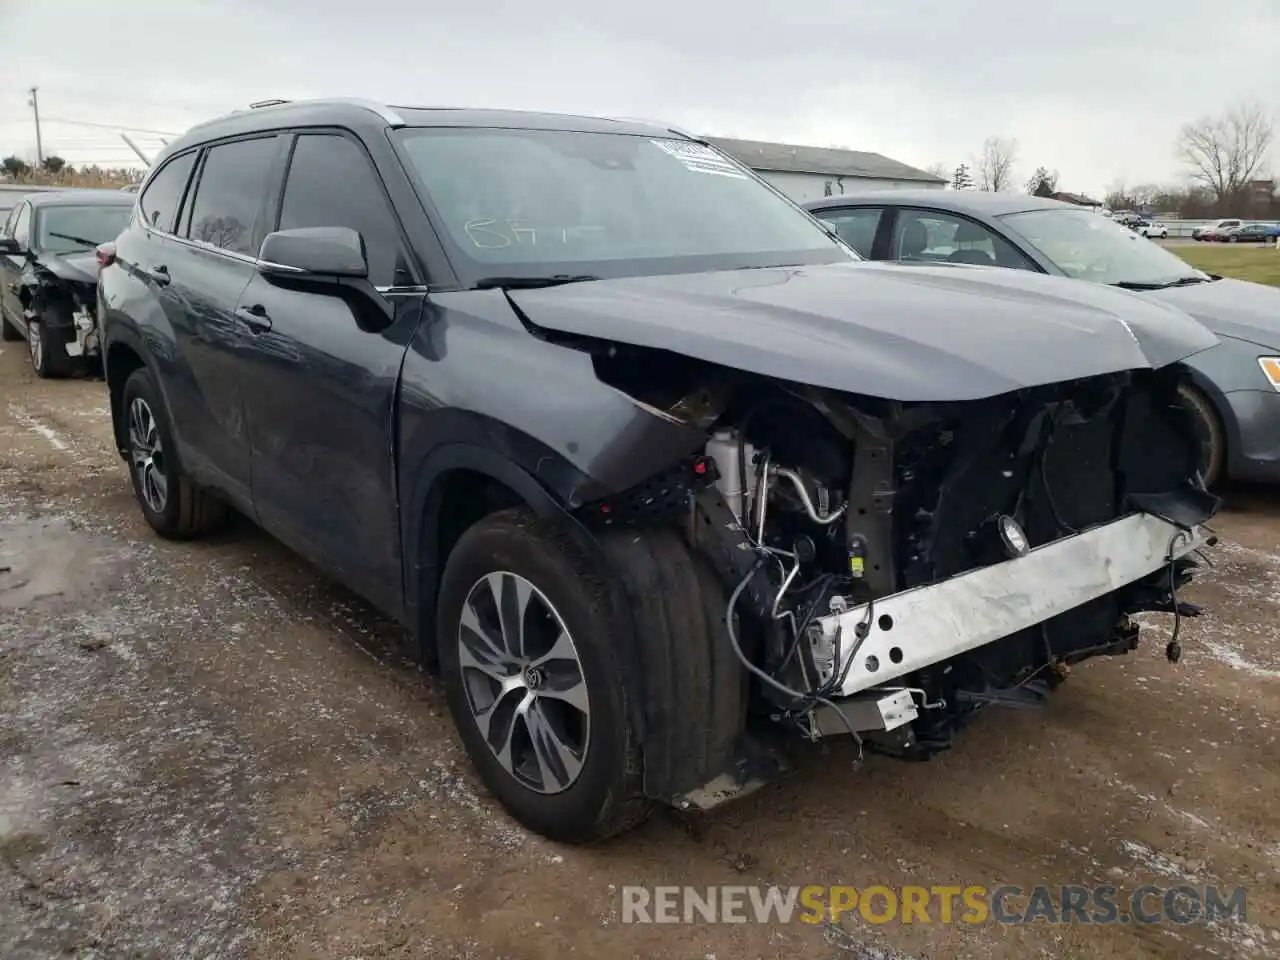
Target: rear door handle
(255, 317)
(159, 275)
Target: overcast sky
(1094, 88)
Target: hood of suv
(901, 332)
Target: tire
(639, 653)
(1233, 239)
(182, 511)
(48, 354)
(8, 332)
(1213, 437)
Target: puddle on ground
(47, 560)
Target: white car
(1155, 231)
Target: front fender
(421, 491)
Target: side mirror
(8, 245)
(314, 253)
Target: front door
(319, 381)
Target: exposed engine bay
(826, 513)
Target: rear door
(18, 226)
(198, 272)
(320, 381)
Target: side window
(22, 226)
(312, 199)
(932, 235)
(10, 218)
(856, 226)
(164, 193)
(230, 195)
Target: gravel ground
(208, 751)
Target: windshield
(72, 229)
(541, 203)
(1089, 247)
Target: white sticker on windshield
(698, 158)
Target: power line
(112, 126)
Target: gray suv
(649, 464)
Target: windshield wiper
(90, 244)
(531, 283)
(1165, 285)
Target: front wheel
(548, 670)
(1209, 432)
(533, 658)
(171, 502)
(48, 353)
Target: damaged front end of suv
(958, 533)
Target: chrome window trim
(258, 262)
(197, 244)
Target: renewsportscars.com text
(975, 904)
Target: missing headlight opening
(892, 568)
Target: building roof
(1079, 199)
(74, 196)
(961, 201)
(831, 161)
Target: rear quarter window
(163, 195)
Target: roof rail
(382, 110)
(670, 128)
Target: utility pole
(35, 108)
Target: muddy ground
(208, 751)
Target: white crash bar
(924, 625)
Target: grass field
(1259, 265)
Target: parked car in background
(1215, 231)
(49, 272)
(1154, 231)
(1252, 233)
(640, 453)
(1235, 388)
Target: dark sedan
(1236, 386)
(49, 272)
(1253, 233)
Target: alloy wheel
(146, 452)
(524, 682)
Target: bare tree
(995, 166)
(939, 170)
(1225, 152)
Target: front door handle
(255, 317)
(159, 275)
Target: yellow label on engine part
(856, 566)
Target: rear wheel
(1209, 431)
(171, 502)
